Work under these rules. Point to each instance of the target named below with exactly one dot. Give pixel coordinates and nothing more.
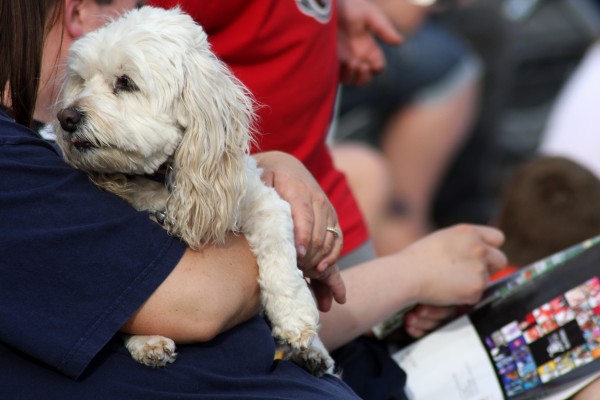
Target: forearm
(208, 292)
(376, 290)
(448, 267)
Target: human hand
(360, 56)
(454, 264)
(318, 249)
(423, 318)
(329, 285)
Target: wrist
(418, 276)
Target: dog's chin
(91, 158)
(110, 160)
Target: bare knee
(368, 175)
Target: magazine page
(450, 364)
(539, 331)
(526, 275)
(502, 288)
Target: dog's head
(146, 89)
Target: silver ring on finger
(336, 231)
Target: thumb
(382, 27)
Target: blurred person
(417, 113)
(547, 204)
(81, 265)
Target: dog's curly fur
(146, 91)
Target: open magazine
(534, 335)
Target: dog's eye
(124, 84)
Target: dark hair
(24, 25)
(548, 204)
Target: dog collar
(165, 174)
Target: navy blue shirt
(75, 264)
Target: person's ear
(74, 18)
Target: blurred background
(529, 49)
(477, 90)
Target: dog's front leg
(287, 300)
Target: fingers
(494, 257)
(358, 73)
(304, 220)
(323, 295)
(332, 286)
(490, 241)
(320, 239)
(381, 25)
(365, 63)
(424, 319)
(326, 241)
(360, 56)
(331, 248)
(496, 260)
(336, 283)
(491, 236)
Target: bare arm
(208, 292)
(449, 267)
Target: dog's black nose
(69, 118)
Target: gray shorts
(362, 254)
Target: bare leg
(367, 172)
(368, 175)
(419, 143)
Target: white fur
(186, 109)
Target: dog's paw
(153, 351)
(298, 337)
(315, 360)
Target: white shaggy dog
(144, 94)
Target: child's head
(548, 204)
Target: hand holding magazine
(534, 335)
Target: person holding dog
(419, 286)
(175, 289)
(314, 214)
(80, 265)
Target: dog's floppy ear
(217, 114)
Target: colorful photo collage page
(515, 282)
(550, 341)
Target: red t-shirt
(285, 53)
